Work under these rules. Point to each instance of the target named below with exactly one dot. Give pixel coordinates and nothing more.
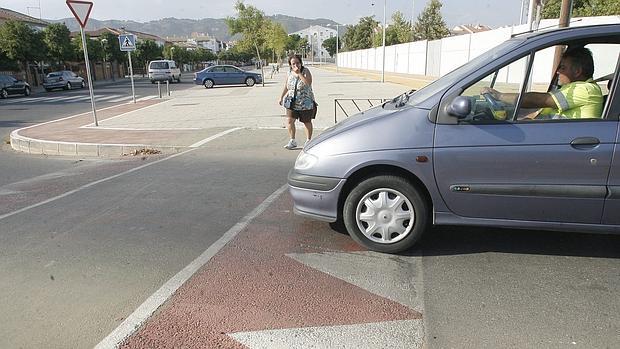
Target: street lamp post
(384, 24)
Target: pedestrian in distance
(298, 99)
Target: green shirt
(579, 99)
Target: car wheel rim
(249, 82)
(68, 86)
(27, 91)
(4, 94)
(208, 84)
(385, 216)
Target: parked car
(64, 79)
(164, 70)
(447, 155)
(226, 75)
(11, 86)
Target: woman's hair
(295, 56)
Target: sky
(490, 12)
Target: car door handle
(585, 142)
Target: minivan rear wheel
(385, 214)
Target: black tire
(4, 94)
(69, 87)
(402, 234)
(82, 84)
(208, 83)
(250, 81)
(179, 79)
(26, 91)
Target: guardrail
(348, 105)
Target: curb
(42, 147)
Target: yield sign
(81, 10)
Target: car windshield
(457, 74)
(159, 65)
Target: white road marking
(198, 144)
(404, 334)
(86, 186)
(146, 309)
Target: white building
(315, 35)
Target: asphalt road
(83, 242)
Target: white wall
(438, 57)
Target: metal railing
(350, 106)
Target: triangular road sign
(81, 10)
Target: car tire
(208, 83)
(401, 214)
(82, 84)
(4, 94)
(179, 79)
(250, 81)
(69, 87)
(26, 91)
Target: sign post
(127, 42)
(81, 11)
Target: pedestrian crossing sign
(127, 42)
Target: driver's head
(576, 65)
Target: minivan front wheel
(385, 214)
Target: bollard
(159, 89)
(168, 87)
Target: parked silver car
(449, 154)
(64, 79)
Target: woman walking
(298, 99)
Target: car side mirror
(460, 107)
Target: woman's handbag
(289, 101)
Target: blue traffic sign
(127, 42)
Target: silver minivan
(164, 70)
(449, 154)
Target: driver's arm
(530, 99)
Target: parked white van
(164, 70)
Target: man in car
(578, 97)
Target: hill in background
(169, 27)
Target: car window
(159, 65)
(54, 75)
(232, 70)
(515, 94)
(218, 69)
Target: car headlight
(305, 161)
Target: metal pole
(90, 80)
(159, 89)
(168, 87)
(383, 63)
(133, 90)
(337, 32)
(521, 12)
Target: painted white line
(198, 144)
(146, 309)
(71, 192)
(92, 126)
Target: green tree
(57, 40)
(396, 33)
(276, 39)
(430, 24)
(360, 36)
(330, 45)
(582, 8)
(146, 51)
(21, 43)
(251, 24)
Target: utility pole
(565, 14)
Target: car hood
(376, 129)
